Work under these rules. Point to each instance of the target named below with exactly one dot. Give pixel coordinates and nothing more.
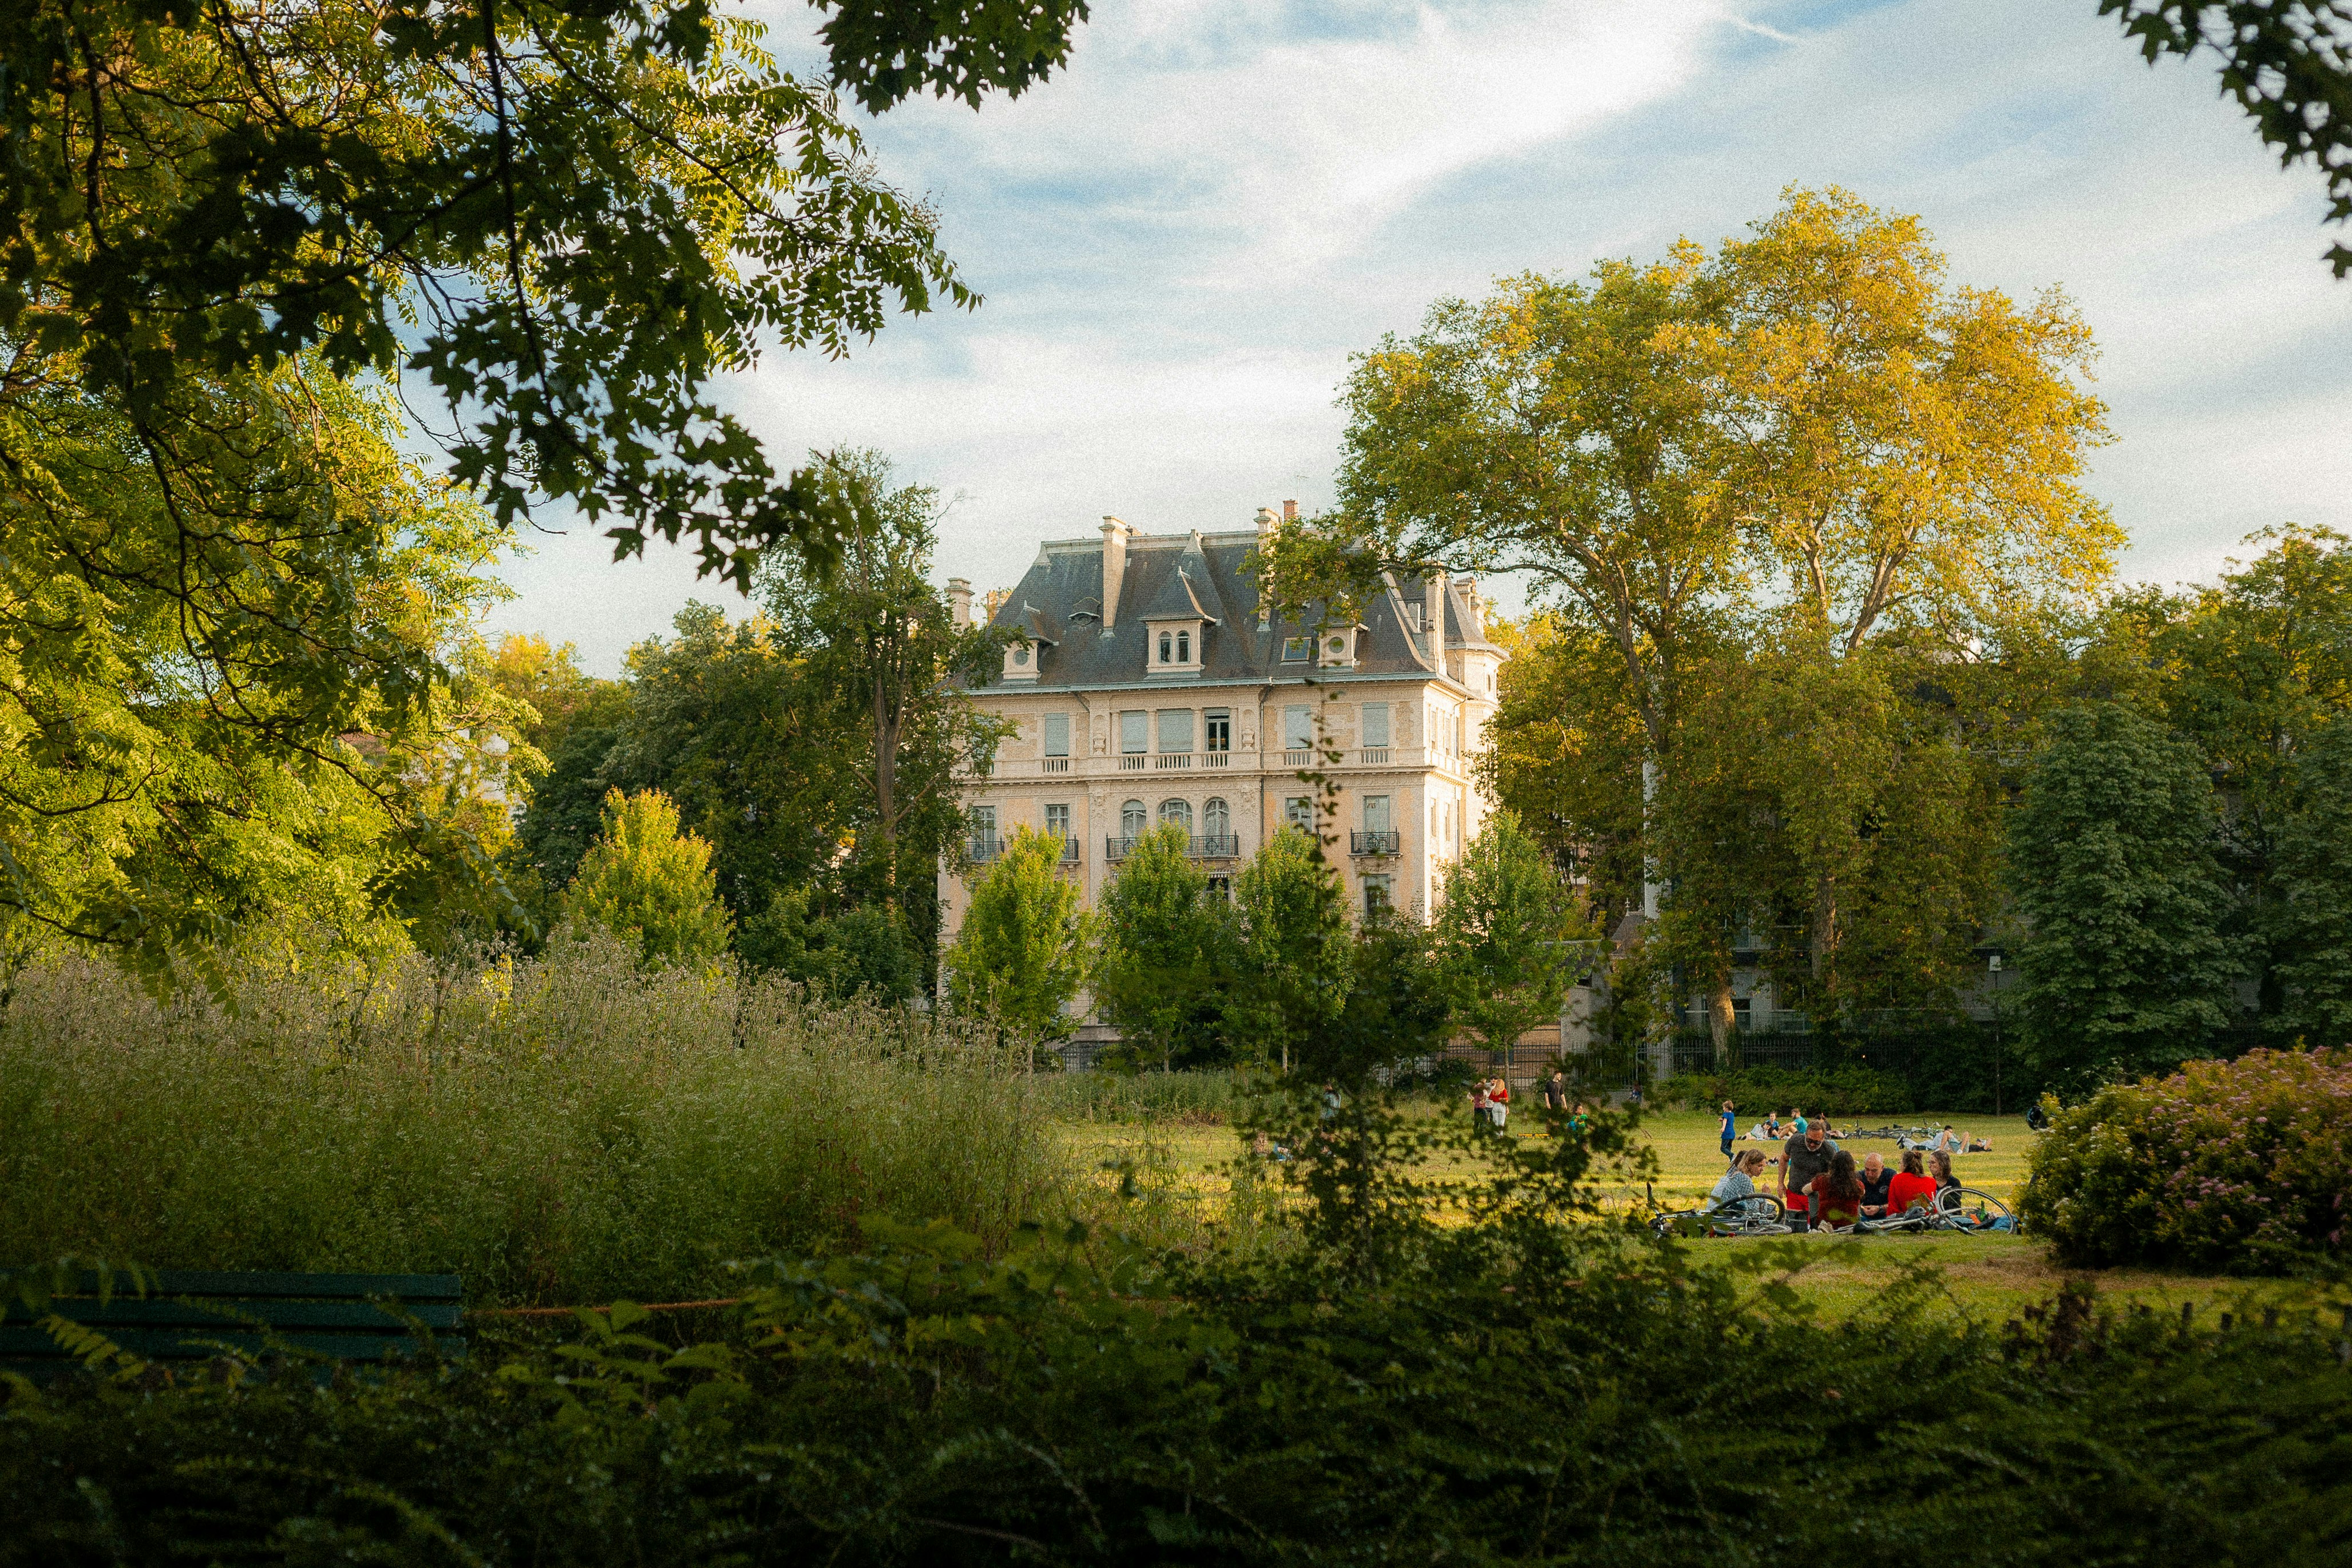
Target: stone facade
(1147, 685)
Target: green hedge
(1535, 1400)
(1842, 1091)
(2240, 1166)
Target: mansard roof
(1201, 577)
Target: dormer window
(1174, 648)
(1335, 646)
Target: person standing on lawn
(1555, 1099)
(1498, 1094)
(1805, 1155)
(1728, 1127)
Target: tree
(876, 639)
(2287, 62)
(1020, 956)
(234, 667)
(2111, 866)
(650, 883)
(2310, 928)
(1502, 935)
(2251, 669)
(567, 220)
(1293, 973)
(859, 952)
(1397, 1011)
(1168, 944)
(1899, 450)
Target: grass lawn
(1989, 1277)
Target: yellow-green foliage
(567, 1130)
(1020, 956)
(651, 884)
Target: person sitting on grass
(1836, 1194)
(1910, 1189)
(1737, 1183)
(1804, 1156)
(1976, 1145)
(1797, 1119)
(1773, 1126)
(1877, 1183)
(1940, 1165)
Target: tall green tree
(2111, 867)
(1502, 935)
(875, 639)
(2308, 929)
(1294, 970)
(237, 669)
(1168, 945)
(1020, 956)
(567, 221)
(649, 882)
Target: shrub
(1837, 1091)
(565, 1130)
(2240, 1166)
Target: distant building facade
(1150, 687)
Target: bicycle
(1963, 1211)
(1760, 1213)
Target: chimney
(1477, 608)
(1115, 534)
(1265, 523)
(1290, 511)
(958, 603)
(1433, 612)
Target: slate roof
(1189, 575)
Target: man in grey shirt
(1802, 1158)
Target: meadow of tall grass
(1205, 1098)
(565, 1129)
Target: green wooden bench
(189, 1315)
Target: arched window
(1163, 647)
(1183, 647)
(1179, 811)
(1215, 820)
(1133, 823)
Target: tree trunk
(1720, 1017)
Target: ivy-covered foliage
(2239, 1167)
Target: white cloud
(1184, 236)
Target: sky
(1183, 238)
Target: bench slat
(220, 1312)
(298, 1287)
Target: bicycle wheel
(1975, 1213)
(1760, 1215)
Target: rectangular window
(1298, 727)
(1376, 724)
(1375, 896)
(1219, 724)
(1134, 732)
(1298, 650)
(1058, 822)
(1175, 728)
(1057, 734)
(983, 822)
(1299, 812)
(1376, 813)
(1457, 731)
(1221, 887)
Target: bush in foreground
(1514, 1394)
(2239, 1167)
(567, 1130)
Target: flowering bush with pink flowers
(2238, 1167)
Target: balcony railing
(1388, 843)
(1373, 756)
(1055, 765)
(1216, 759)
(1167, 761)
(988, 848)
(1201, 847)
(1069, 851)
(1297, 759)
(1133, 761)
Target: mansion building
(1147, 685)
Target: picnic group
(1821, 1187)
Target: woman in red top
(1836, 1194)
(1911, 1186)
